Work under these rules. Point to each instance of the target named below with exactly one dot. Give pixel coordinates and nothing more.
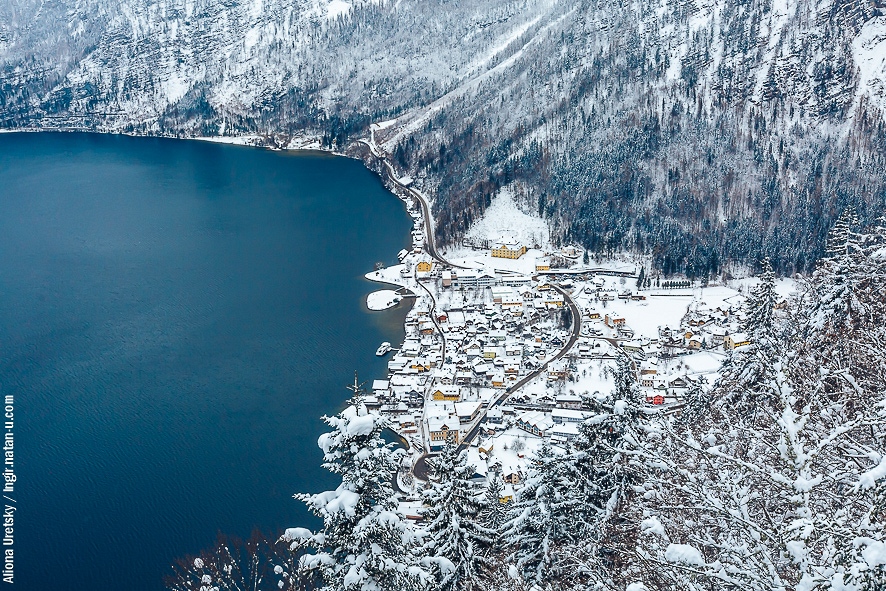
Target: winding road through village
(421, 469)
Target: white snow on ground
(869, 53)
(391, 275)
(481, 259)
(663, 307)
(336, 8)
(504, 219)
(382, 299)
(242, 140)
(175, 87)
(384, 124)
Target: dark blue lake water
(175, 317)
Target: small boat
(383, 349)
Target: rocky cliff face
(701, 131)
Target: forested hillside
(698, 131)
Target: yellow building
(509, 251)
(447, 394)
(424, 267)
(733, 341)
(442, 432)
(542, 265)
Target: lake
(175, 317)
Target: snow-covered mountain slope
(697, 129)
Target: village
(505, 342)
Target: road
(421, 468)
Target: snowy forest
(773, 477)
(698, 132)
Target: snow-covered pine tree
(541, 519)
(696, 404)
(454, 535)
(747, 374)
(846, 327)
(836, 306)
(603, 470)
(365, 543)
(494, 513)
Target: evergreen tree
(494, 512)
(696, 405)
(541, 520)
(837, 308)
(746, 377)
(364, 544)
(454, 537)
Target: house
(557, 371)
(516, 280)
(535, 422)
(507, 495)
(735, 340)
(494, 416)
(415, 398)
(632, 346)
(718, 334)
(424, 267)
(447, 393)
(564, 432)
(555, 300)
(613, 320)
(446, 277)
(572, 401)
(420, 364)
(512, 302)
(440, 431)
(567, 415)
(509, 251)
(467, 411)
(679, 382)
(543, 264)
(655, 399)
(593, 314)
(381, 387)
(510, 477)
(498, 380)
(474, 279)
(463, 378)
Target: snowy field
(505, 220)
